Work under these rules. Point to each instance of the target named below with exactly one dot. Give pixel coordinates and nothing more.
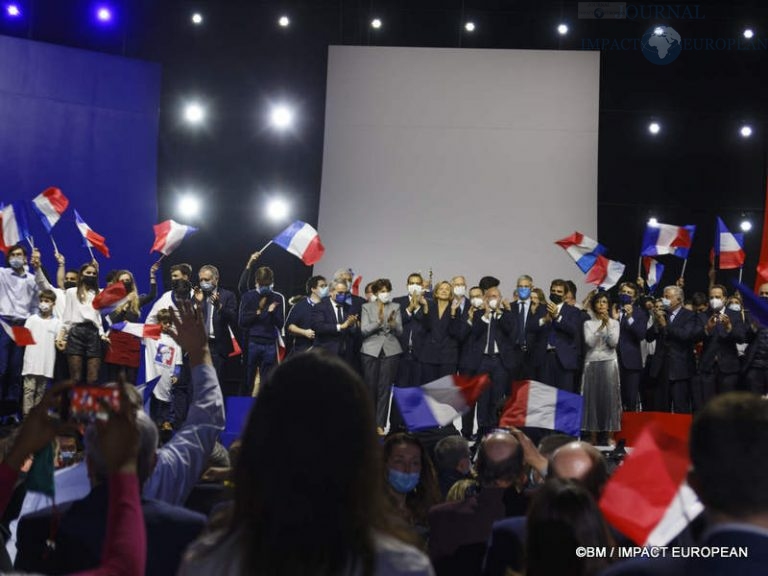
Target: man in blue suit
(335, 322)
(633, 323)
(219, 314)
(560, 328)
(728, 448)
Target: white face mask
(44, 307)
(716, 303)
(666, 303)
(493, 303)
(734, 307)
(476, 302)
(415, 289)
(372, 298)
(383, 297)
(459, 291)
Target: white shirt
(40, 357)
(160, 359)
(18, 294)
(76, 312)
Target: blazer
(506, 330)
(720, 345)
(412, 338)
(377, 334)
(565, 334)
(324, 321)
(300, 314)
(441, 336)
(224, 316)
(630, 337)
(83, 527)
(262, 325)
(674, 344)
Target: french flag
(280, 346)
(19, 334)
(112, 297)
(146, 391)
(50, 204)
(236, 350)
(14, 221)
(647, 499)
(605, 273)
(729, 247)
(356, 285)
(653, 272)
(90, 237)
(439, 402)
(660, 239)
(301, 240)
(537, 405)
(169, 235)
(582, 249)
(152, 331)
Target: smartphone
(87, 403)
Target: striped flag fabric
(605, 273)
(90, 237)
(236, 350)
(439, 402)
(139, 330)
(146, 391)
(660, 239)
(729, 247)
(302, 240)
(111, 298)
(50, 204)
(582, 249)
(19, 334)
(653, 272)
(647, 499)
(14, 223)
(169, 235)
(538, 405)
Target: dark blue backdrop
(87, 123)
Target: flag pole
(93, 258)
(55, 248)
(682, 272)
(265, 246)
(640, 266)
(740, 271)
(31, 241)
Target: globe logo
(599, 13)
(661, 45)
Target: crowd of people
(326, 478)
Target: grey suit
(380, 353)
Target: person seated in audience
(453, 462)
(563, 517)
(459, 530)
(411, 482)
(728, 445)
(125, 546)
(297, 510)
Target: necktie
(491, 346)
(339, 315)
(521, 323)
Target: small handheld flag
(729, 247)
(660, 239)
(14, 222)
(91, 238)
(112, 297)
(653, 272)
(19, 334)
(589, 256)
(50, 204)
(302, 240)
(538, 405)
(152, 331)
(169, 235)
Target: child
(163, 358)
(40, 358)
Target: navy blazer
(720, 345)
(412, 337)
(224, 316)
(674, 343)
(324, 321)
(566, 332)
(630, 337)
(83, 527)
(505, 337)
(262, 325)
(441, 335)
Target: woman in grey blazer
(380, 325)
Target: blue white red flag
(729, 247)
(660, 239)
(301, 240)
(50, 204)
(91, 238)
(169, 235)
(653, 272)
(537, 405)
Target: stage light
(277, 209)
(197, 18)
(748, 33)
(745, 225)
(104, 14)
(562, 29)
(376, 23)
(659, 31)
(281, 117)
(654, 128)
(194, 113)
(13, 10)
(189, 206)
(469, 26)
(653, 222)
(746, 131)
(284, 21)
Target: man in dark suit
(524, 339)
(82, 524)
(470, 355)
(219, 314)
(675, 330)
(560, 327)
(719, 363)
(335, 323)
(728, 448)
(459, 530)
(633, 324)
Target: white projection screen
(468, 162)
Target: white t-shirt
(160, 359)
(40, 357)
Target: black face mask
(181, 287)
(90, 281)
(69, 284)
(555, 298)
(128, 286)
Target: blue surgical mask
(323, 292)
(625, 299)
(402, 482)
(340, 298)
(206, 287)
(524, 293)
(265, 289)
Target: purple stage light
(13, 10)
(104, 14)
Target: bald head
(762, 291)
(581, 462)
(499, 460)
